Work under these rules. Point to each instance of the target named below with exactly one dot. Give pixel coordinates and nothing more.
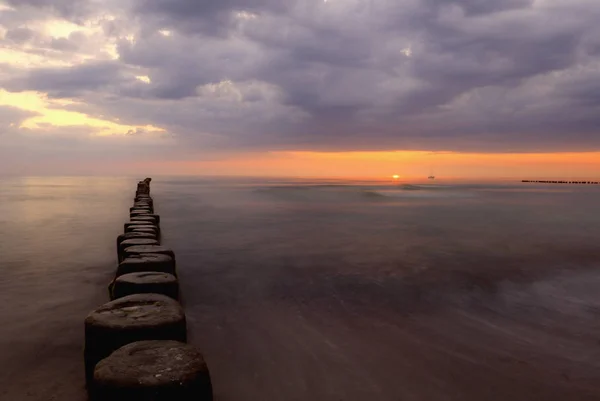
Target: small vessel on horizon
(431, 177)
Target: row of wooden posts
(136, 344)
(562, 182)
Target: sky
(340, 88)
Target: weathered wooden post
(133, 318)
(135, 345)
(153, 370)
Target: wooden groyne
(563, 182)
(136, 344)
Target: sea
(305, 289)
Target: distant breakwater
(562, 182)
(136, 344)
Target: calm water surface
(299, 290)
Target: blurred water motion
(316, 290)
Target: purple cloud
(465, 75)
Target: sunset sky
(338, 88)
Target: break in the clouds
(199, 76)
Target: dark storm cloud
(470, 75)
(207, 16)
(179, 65)
(72, 81)
(24, 36)
(20, 35)
(479, 7)
(72, 10)
(182, 9)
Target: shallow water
(321, 290)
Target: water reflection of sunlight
(57, 216)
(44, 198)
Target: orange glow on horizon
(414, 165)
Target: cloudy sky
(306, 87)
